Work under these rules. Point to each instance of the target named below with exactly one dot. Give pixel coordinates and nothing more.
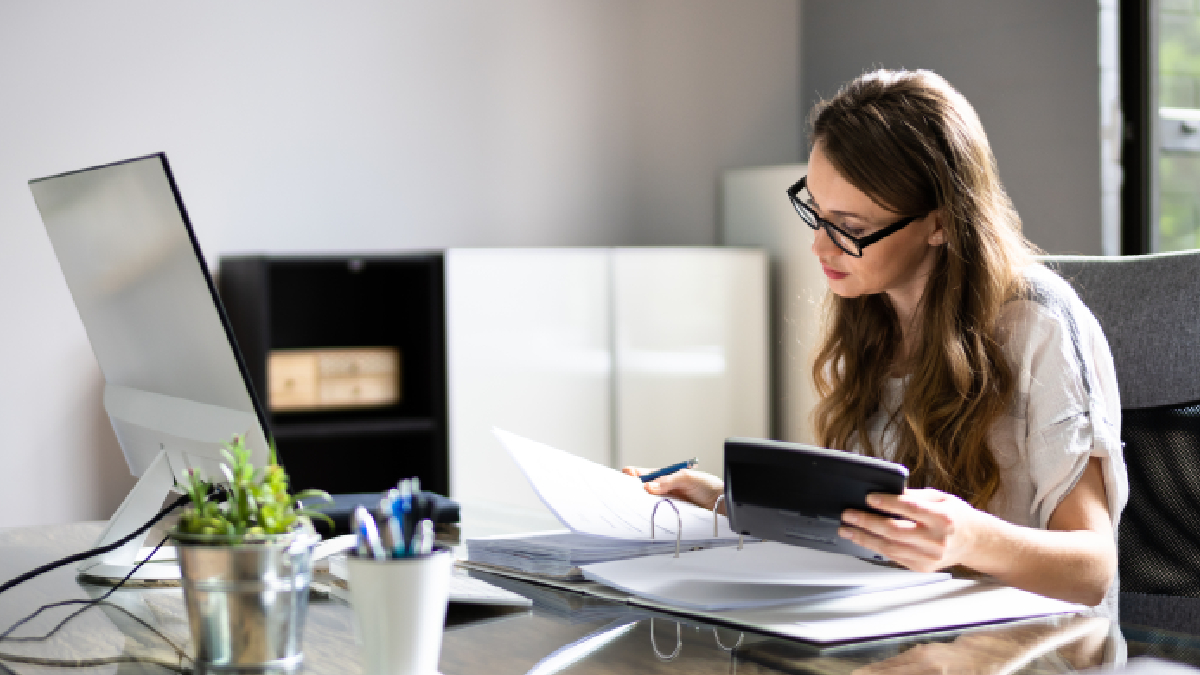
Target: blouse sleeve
(1071, 405)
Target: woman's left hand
(933, 530)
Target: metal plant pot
(246, 602)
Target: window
(1179, 126)
(1160, 100)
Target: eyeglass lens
(803, 204)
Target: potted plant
(245, 558)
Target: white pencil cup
(400, 607)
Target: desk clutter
(444, 512)
(401, 525)
(768, 587)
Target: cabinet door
(757, 213)
(691, 353)
(527, 351)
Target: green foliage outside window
(1179, 87)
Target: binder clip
(717, 522)
(678, 532)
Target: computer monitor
(176, 386)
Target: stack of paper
(609, 514)
(562, 553)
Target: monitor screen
(175, 382)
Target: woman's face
(897, 265)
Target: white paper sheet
(593, 499)
(946, 604)
(761, 575)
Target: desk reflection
(567, 632)
(1050, 645)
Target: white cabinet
(757, 213)
(642, 356)
(691, 353)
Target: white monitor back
(175, 384)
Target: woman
(948, 349)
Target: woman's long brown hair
(914, 145)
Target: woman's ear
(938, 236)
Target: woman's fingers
(676, 482)
(930, 529)
(910, 543)
(916, 505)
(904, 552)
(694, 486)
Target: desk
(500, 642)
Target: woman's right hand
(697, 487)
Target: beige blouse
(1066, 410)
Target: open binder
(768, 587)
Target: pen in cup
(403, 526)
(369, 544)
(419, 512)
(392, 534)
(423, 542)
(668, 470)
(401, 510)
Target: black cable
(90, 663)
(95, 551)
(217, 491)
(179, 651)
(88, 605)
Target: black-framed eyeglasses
(847, 242)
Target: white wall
(300, 125)
(1031, 68)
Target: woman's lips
(833, 274)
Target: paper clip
(678, 532)
(717, 522)
(678, 642)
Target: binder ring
(717, 637)
(678, 642)
(716, 524)
(678, 532)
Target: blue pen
(668, 470)
(394, 540)
(401, 507)
(368, 535)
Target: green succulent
(258, 502)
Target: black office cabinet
(297, 303)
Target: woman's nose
(822, 245)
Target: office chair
(1149, 308)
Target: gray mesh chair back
(1149, 308)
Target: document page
(943, 605)
(593, 499)
(762, 574)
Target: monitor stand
(141, 504)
